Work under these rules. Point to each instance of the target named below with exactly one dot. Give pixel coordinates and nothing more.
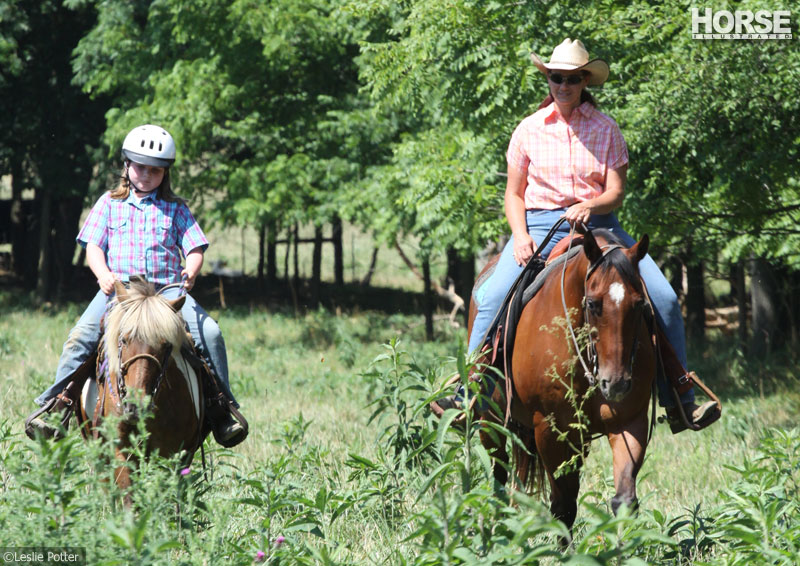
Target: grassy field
(318, 482)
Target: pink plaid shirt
(147, 237)
(566, 162)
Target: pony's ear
(121, 291)
(591, 248)
(177, 304)
(638, 250)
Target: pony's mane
(143, 317)
(616, 259)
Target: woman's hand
(524, 246)
(579, 212)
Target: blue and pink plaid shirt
(146, 237)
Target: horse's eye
(594, 306)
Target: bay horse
(142, 346)
(600, 289)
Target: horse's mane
(144, 317)
(616, 259)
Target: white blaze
(617, 292)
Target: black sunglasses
(558, 78)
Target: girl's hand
(580, 212)
(524, 247)
(106, 282)
(189, 281)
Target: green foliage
(402, 488)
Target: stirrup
(438, 409)
(35, 426)
(231, 414)
(679, 421)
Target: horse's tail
(526, 463)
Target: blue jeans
(668, 312)
(85, 336)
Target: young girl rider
(142, 227)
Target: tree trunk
(741, 302)
(764, 303)
(18, 221)
(66, 226)
(427, 299)
(296, 252)
(43, 279)
(695, 304)
(461, 271)
(316, 266)
(338, 251)
(262, 236)
(272, 267)
(373, 262)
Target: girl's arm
(96, 258)
(194, 262)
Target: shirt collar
(153, 195)
(551, 113)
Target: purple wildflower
(260, 556)
(279, 540)
(185, 471)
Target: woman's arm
(524, 245)
(96, 258)
(609, 201)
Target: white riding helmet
(149, 145)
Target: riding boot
(689, 415)
(66, 402)
(62, 404)
(456, 400)
(226, 422)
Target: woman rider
(569, 160)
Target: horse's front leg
(628, 447)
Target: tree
(47, 131)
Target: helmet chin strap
(132, 184)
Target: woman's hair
(586, 96)
(164, 190)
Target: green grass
(343, 489)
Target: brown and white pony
(142, 345)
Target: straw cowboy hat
(572, 56)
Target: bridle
(122, 390)
(590, 373)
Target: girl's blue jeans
(668, 313)
(85, 336)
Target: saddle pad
(89, 398)
(534, 287)
(192, 383)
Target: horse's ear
(591, 248)
(639, 249)
(177, 304)
(121, 291)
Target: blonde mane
(143, 317)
